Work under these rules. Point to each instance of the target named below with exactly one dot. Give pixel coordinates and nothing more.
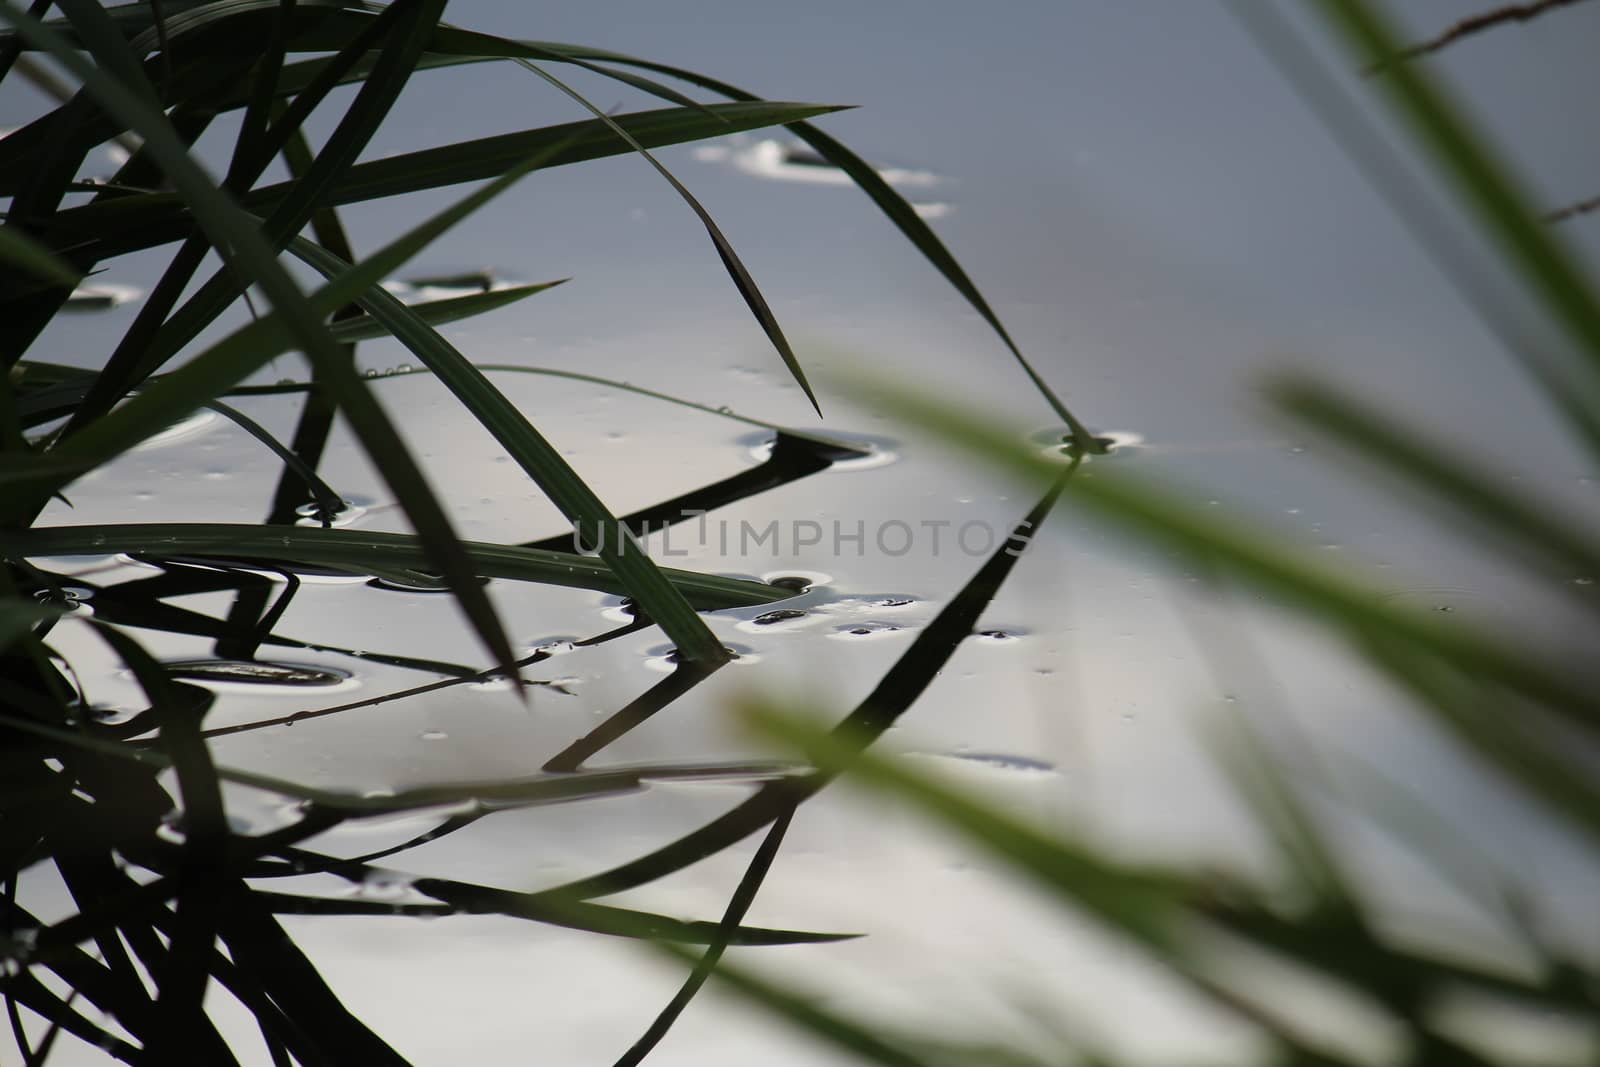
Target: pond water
(1159, 221)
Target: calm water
(1159, 222)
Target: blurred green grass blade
(1253, 770)
(894, 206)
(439, 312)
(743, 895)
(361, 551)
(1484, 182)
(20, 252)
(1150, 513)
(540, 460)
(18, 616)
(229, 228)
(1141, 905)
(864, 1042)
(1414, 203)
(100, 37)
(753, 298)
(1517, 521)
(897, 690)
(1491, 726)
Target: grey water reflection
(1155, 219)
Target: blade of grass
(29, 256)
(894, 694)
(230, 228)
(1332, 597)
(439, 312)
(743, 896)
(742, 280)
(894, 207)
(1516, 520)
(360, 551)
(115, 226)
(181, 983)
(1483, 181)
(1415, 206)
(540, 460)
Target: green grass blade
(127, 223)
(249, 348)
(864, 1042)
(364, 552)
(540, 460)
(229, 228)
(23, 253)
(1141, 905)
(1517, 521)
(894, 206)
(891, 698)
(439, 312)
(403, 23)
(1483, 181)
(754, 300)
(1332, 597)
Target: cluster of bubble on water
(349, 512)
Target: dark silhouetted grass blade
(367, 552)
(539, 459)
(439, 312)
(230, 228)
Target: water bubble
(371, 372)
(555, 646)
(723, 409)
(1583, 581)
(404, 368)
(432, 735)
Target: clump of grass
(171, 899)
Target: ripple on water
(1000, 761)
(865, 631)
(1056, 440)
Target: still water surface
(1158, 221)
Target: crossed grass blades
(1529, 719)
(171, 900)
